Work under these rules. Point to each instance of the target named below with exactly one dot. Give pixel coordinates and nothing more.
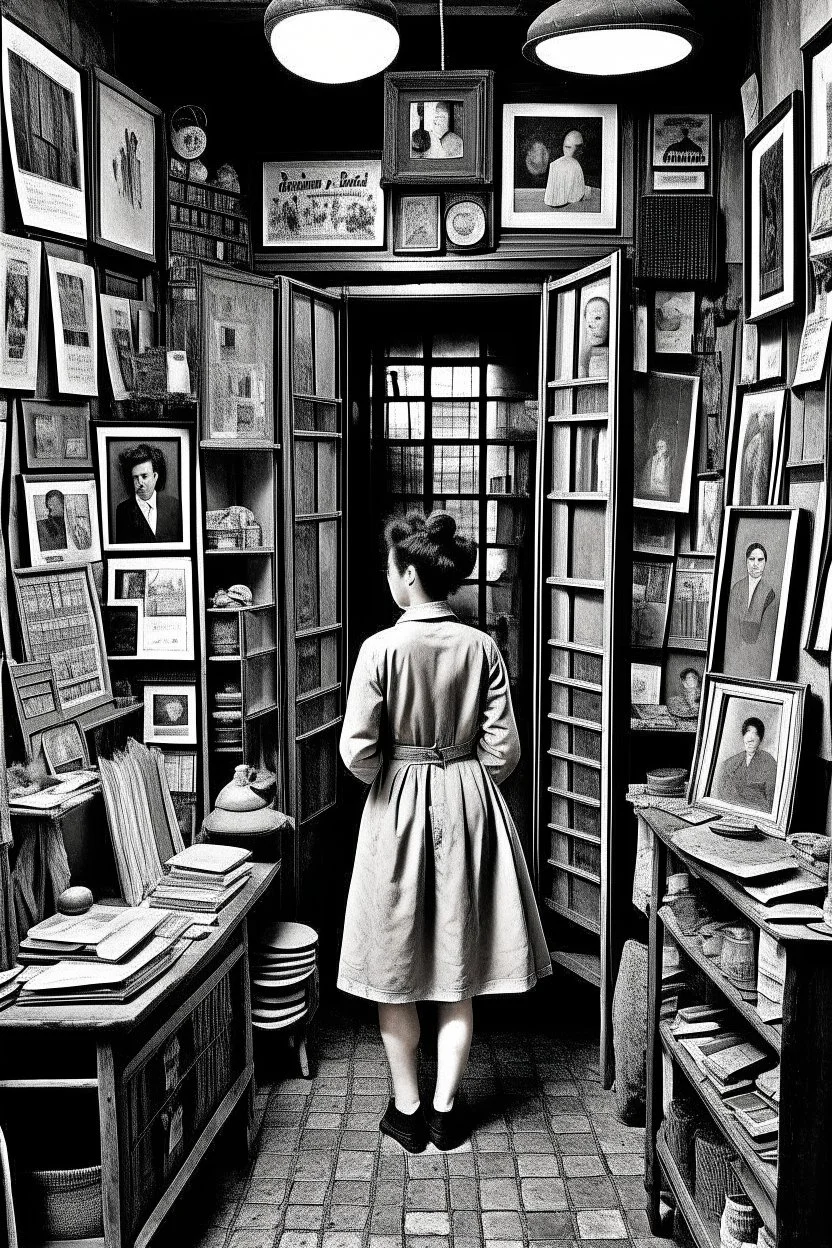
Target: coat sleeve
(498, 748)
(361, 732)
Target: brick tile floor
(548, 1162)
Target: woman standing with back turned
(441, 907)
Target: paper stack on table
(103, 934)
(78, 983)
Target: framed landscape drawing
(126, 147)
(20, 300)
(237, 312)
(773, 236)
(42, 104)
(318, 202)
(56, 436)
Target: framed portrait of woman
(755, 566)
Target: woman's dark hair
(756, 546)
(432, 545)
(143, 454)
(690, 671)
(756, 724)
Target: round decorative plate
(465, 223)
(187, 132)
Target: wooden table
(169, 1068)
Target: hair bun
(440, 527)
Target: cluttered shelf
(704, 1230)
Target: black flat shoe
(448, 1130)
(409, 1130)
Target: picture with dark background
(539, 140)
(43, 117)
(771, 219)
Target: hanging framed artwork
(20, 300)
(145, 486)
(169, 714)
(42, 106)
(664, 432)
(119, 351)
(319, 202)
(72, 288)
(469, 220)
(237, 310)
(560, 167)
(150, 608)
(61, 518)
(438, 127)
(773, 212)
(126, 150)
(680, 145)
(56, 436)
(417, 224)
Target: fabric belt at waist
(439, 755)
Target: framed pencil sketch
(320, 202)
(773, 236)
(61, 625)
(707, 520)
(438, 127)
(751, 600)
(560, 166)
(690, 608)
(56, 436)
(756, 447)
(748, 750)
(145, 486)
(72, 288)
(150, 608)
(61, 519)
(653, 533)
(119, 350)
(236, 315)
(664, 432)
(169, 714)
(42, 106)
(20, 301)
(417, 224)
(126, 150)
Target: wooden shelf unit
(790, 1196)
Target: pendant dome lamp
(333, 41)
(611, 37)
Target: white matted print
(323, 203)
(673, 321)
(560, 166)
(664, 429)
(126, 163)
(20, 301)
(169, 714)
(42, 104)
(154, 601)
(756, 448)
(62, 519)
(72, 288)
(145, 486)
(117, 330)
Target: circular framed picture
(465, 223)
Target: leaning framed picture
(748, 750)
(61, 518)
(145, 479)
(438, 127)
(753, 591)
(20, 301)
(756, 447)
(817, 83)
(169, 714)
(150, 608)
(417, 224)
(126, 151)
(560, 166)
(42, 105)
(773, 211)
(664, 432)
(237, 311)
(119, 350)
(72, 288)
(315, 201)
(55, 436)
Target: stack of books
(759, 1118)
(202, 879)
(103, 934)
(732, 1063)
(72, 982)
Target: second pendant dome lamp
(611, 37)
(333, 41)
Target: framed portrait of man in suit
(146, 487)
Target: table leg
(652, 1172)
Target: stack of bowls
(283, 961)
(667, 782)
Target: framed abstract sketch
(150, 608)
(126, 150)
(56, 436)
(236, 314)
(320, 202)
(20, 298)
(773, 237)
(438, 127)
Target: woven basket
(224, 539)
(224, 633)
(715, 1177)
(64, 1204)
(680, 1124)
(252, 537)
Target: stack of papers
(759, 1118)
(202, 879)
(77, 983)
(103, 934)
(71, 785)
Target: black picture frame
(484, 201)
(782, 233)
(469, 94)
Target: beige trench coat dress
(440, 906)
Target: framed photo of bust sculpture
(748, 750)
(438, 127)
(145, 487)
(773, 237)
(664, 432)
(751, 601)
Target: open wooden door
(583, 503)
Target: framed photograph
(560, 166)
(817, 84)
(645, 684)
(682, 683)
(72, 289)
(145, 486)
(318, 202)
(751, 602)
(690, 609)
(42, 105)
(417, 224)
(680, 145)
(55, 436)
(673, 321)
(61, 625)
(237, 311)
(126, 149)
(438, 127)
(469, 220)
(151, 601)
(756, 447)
(61, 519)
(653, 533)
(170, 714)
(748, 750)
(707, 521)
(651, 603)
(664, 429)
(64, 748)
(120, 353)
(20, 300)
(773, 237)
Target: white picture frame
(20, 267)
(665, 411)
(75, 326)
(61, 518)
(157, 594)
(169, 714)
(122, 528)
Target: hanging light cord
(442, 34)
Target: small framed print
(150, 608)
(438, 127)
(126, 149)
(773, 214)
(683, 181)
(56, 436)
(417, 224)
(674, 313)
(64, 748)
(62, 519)
(20, 260)
(170, 714)
(320, 202)
(72, 287)
(680, 146)
(469, 221)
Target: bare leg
(456, 1027)
(399, 1026)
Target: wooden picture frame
(61, 518)
(123, 526)
(317, 201)
(237, 319)
(55, 436)
(150, 607)
(417, 105)
(127, 160)
(720, 778)
(773, 211)
(468, 221)
(417, 224)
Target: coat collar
(427, 611)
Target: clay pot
(739, 1223)
(737, 960)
